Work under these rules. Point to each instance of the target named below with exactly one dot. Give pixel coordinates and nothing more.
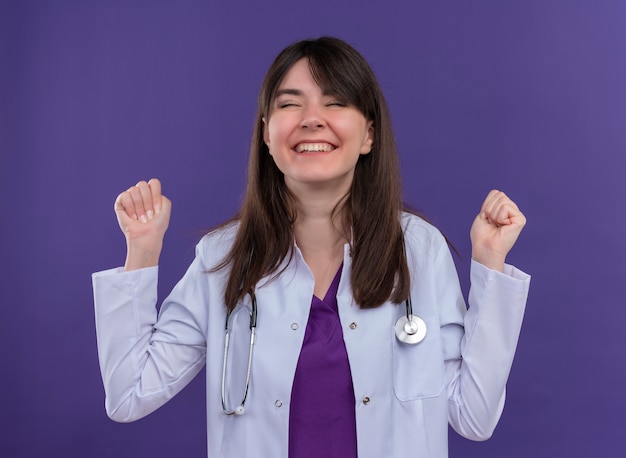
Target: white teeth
(314, 147)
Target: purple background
(526, 96)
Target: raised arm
(477, 376)
(146, 359)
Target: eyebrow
(296, 92)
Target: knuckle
(124, 198)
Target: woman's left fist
(495, 230)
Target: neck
(321, 243)
(319, 233)
(316, 227)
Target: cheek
(275, 139)
(274, 133)
(353, 127)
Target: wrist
(138, 257)
(489, 259)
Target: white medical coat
(404, 394)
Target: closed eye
(286, 102)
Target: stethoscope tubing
(239, 410)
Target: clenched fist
(495, 230)
(143, 214)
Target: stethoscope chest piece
(410, 329)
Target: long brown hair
(371, 209)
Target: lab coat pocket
(418, 369)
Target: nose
(312, 118)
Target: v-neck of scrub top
(322, 418)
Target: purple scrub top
(322, 417)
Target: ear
(266, 136)
(368, 141)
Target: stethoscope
(410, 329)
(239, 410)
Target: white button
(294, 326)
(278, 403)
(353, 325)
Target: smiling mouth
(314, 147)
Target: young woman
(347, 331)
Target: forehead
(299, 76)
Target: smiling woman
(332, 134)
(323, 245)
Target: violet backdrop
(525, 96)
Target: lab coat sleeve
(479, 355)
(145, 360)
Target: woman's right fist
(143, 214)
